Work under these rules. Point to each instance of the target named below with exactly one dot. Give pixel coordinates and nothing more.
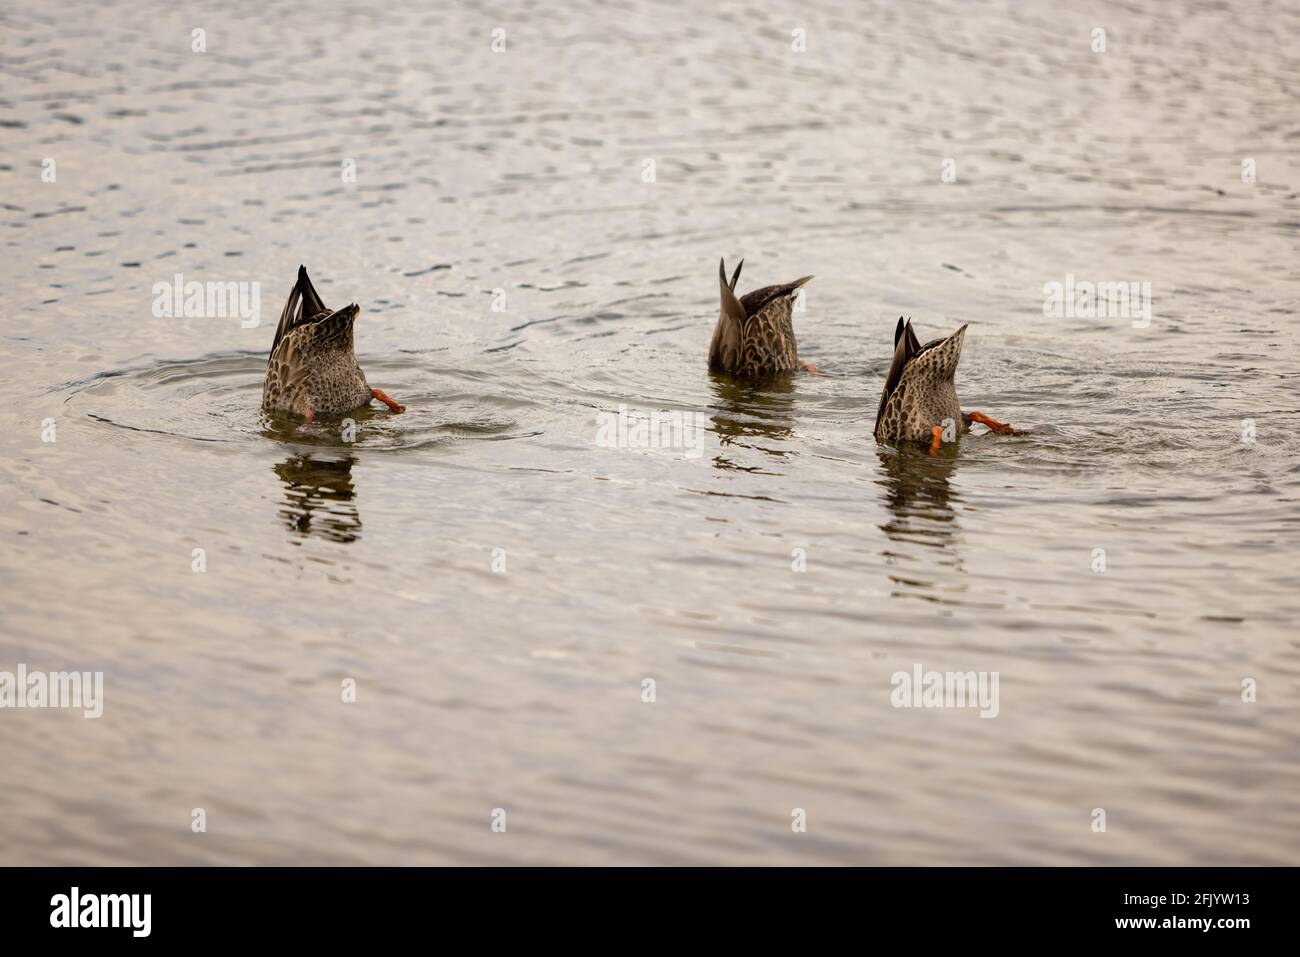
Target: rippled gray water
(518, 685)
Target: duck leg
(382, 396)
(936, 439)
(809, 367)
(994, 424)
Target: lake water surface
(499, 583)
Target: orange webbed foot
(309, 415)
(1000, 427)
(809, 367)
(382, 396)
(936, 439)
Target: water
(519, 686)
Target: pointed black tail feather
(311, 303)
(303, 306)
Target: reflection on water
(918, 493)
(919, 499)
(751, 417)
(318, 495)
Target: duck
(312, 370)
(919, 402)
(754, 336)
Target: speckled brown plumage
(313, 369)
(919, 389)
(754, 336)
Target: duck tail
(905, 348)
